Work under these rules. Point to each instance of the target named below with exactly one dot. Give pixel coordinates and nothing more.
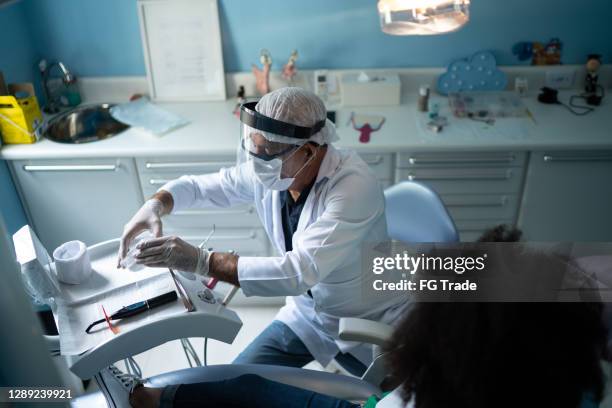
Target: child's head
(481, 355)
(501, 233)
(477, 355)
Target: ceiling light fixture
(422, 17)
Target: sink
(84, 124)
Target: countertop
(213, 130)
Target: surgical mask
(269, 174)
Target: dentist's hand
(173, 252)
(148, 217)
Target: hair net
(298, 107)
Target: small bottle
(71, 96)
(521, 86)
(423, 101)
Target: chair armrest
(364, 331)
(53, 343)
(338, 386)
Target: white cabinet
(479, 189)
(381, 165)
(568, 197)
(83, 199)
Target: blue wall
(101, 38)
(93, 38)
(17, 62)
(17, 54)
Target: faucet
(68, 78)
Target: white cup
(72, 262)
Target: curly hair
(501, 233)
(483, 355)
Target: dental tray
(140, 333)
(492, 104)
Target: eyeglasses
(267, 156)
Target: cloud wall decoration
(476, 73)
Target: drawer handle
(249, 210)
(149, 165)
(228, 237)
(604, 158)
(496, 202)
(374, 161)
(158, 182)
(73, 167)
(433, 160)
(506, 176)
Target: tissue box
(378, 90)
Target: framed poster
(182, 48)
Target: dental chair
(414, 214)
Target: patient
(460, 355)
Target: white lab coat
(344, 208)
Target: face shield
(267, 145)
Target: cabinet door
(479, 189)
(88, 200)
(568, 197)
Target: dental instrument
(137, 308)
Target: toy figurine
(366, 129)
(592, 66)
(262, 76)
(540, 54)
(290, 69)
(549, 54)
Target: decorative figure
(479, 72)
(540, 54)
(547, 54)
(290, 69)
(523, 50)
(262, 76)
(592, 66)
(366, 129)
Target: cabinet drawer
(184, 165)
(453, 159)
(481, 206)
(385, 184)
(568, 196)
(458, 180)
(155, 172)
(236, 216)
(381, 165)
(78, 199)
(245, 241)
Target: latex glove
(148, 217)
(172, 252)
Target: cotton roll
(72, 262)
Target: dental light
(422, 17)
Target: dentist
(318, 206)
